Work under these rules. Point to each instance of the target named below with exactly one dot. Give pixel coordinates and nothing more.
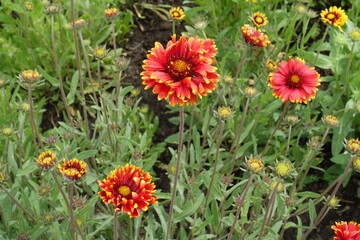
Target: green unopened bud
(355, 35)
(52, 9)
(224, 112)
(7, 131)
(356, 163)
(2, 82)
(25, 107)
(29, 6)
(228, 79)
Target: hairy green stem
(311, 160)
(58, 71)
(215, 165)
(19, 204)
(238, 211)
(78, 64)
(32, 121)
(173, 195)
(236, 142)
(275, 129)
(115, 225)
(348, 67)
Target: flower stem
(267, 215)
(322, 41)
(115, 226)
(311, 161)
(87, 66)
(32, 122)
(242, 200)
(276, 128)
(215, 165)
(238, 135)
(114, 36)
(71, 209)
(348, 67)
(58, 72)
(288, 141)
(78, 63)
(19, 204)
(173, 195)
(72, 217)
(325, 208)
(238, 69)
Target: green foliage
(87, 113)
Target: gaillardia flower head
(176, 13)
(73, 169)
(353, 146)
(46, 159)
(294, 81)
(255, 165)
(334, 16)
(181, 71)
(129, 188)
(346, 231)
(259, 19)
(111, 13)
(254, 36)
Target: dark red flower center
(124, 190)
(179, 69)
(294, 81)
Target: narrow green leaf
(189, 209)
(53, 81)
(312, 211)
(86, 154)
(73, 88)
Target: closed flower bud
(250, 92)
(111, 13)
(300, 8)
(356, 163)
(3, 82)
(355, 35)
(44, 190)
(30, 75)
(48, 218)
(334, 202)
(135, 92)
(2, 177)
(99, 52)
(271, 65)
(122, 63)
(292, 119)
(228, 79)
(224, 112)
(80, 23)
(283, 169)
(52, 9)
(278, 185)
(331, 121)
(353, 146)
(29, 6)
(7, 131)
(314, 142)
(255, 165)
(25, 107)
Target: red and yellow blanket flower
(46, 159)
(294, 81)
(334, 16)
(73, 169)
(259, 19)
(182, 70)
(254, 36)
(129, 188)
(346, 231)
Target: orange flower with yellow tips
(129, 189)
